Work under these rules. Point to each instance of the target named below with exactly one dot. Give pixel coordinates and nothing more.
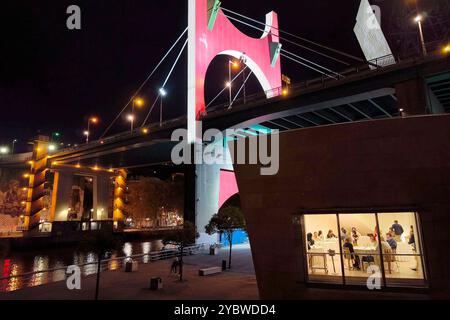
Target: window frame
(375, 211)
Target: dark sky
(53, 79)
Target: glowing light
(78, 166)
(139, 102)
(93, 120)
(4, 150)
(96, 168)
(284, 92)
(234, 64)
(418, 18)
(447, 49)
(162, 92)
(144, 130)
(110, 170)
(228, 84)
(86, 133)
(130, 117)
(54, 163)
(26, 175)
(51, 147)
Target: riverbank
(239, 283)
(51, 240)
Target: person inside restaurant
(365, 239)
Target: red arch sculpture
(222, 37)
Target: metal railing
(45, 276)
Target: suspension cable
(240, 89)
(298, 37)
(226, 87)
(165, 82)
(144, 83)
(150, 110)
(308, 66)
(313, 63)
(290, 41)
(286, 56)
(175, 63)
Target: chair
(367, 259)
(388, 258)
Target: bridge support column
(120, 186)
(35, 195)
(207, 190)
(411, 97)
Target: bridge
(365, 90)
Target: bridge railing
(16, 158)
(373, 65)
(319, 82)
(40, 277)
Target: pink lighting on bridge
(228, 186)
(225, 39)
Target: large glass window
(350, 248)
(322, 248)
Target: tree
(228, 220)
(101, 242)
(181, 238)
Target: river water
(20, 262)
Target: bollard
(156, 283)
(224, 265)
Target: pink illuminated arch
(225, 39)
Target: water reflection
(127, 249)
(40, 264)
(145, 250)
(31, 261)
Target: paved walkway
(239, 283)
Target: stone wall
(394, 163)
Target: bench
(208, 271)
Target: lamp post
(418, 19)
(243, 62)
(13, 143)
(94, 120)
(136, 102)
(162, 93)
(233, 64)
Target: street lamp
(4, 150)
(93, 120)
(231, 64)
(130, 117)
(136, 102)
(446, 49)
(13, 143)
(162, 93)
(418, 19)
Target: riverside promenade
(237, 283)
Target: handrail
(162, 254)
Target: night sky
(53, 79)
